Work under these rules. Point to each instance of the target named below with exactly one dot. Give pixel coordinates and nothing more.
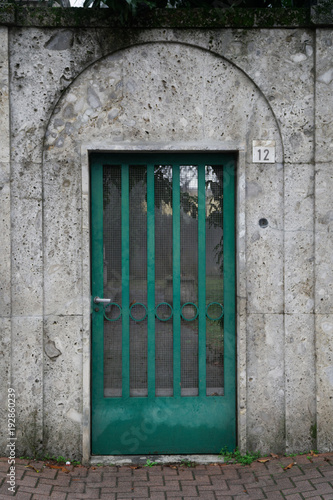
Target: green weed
(237, 458)
(187, 463)
(149, 463)
(313, 431)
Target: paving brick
(242, 481)
(229, 473)
(36, 464)
(142, 472)
(72, 488)
(4, 489)
(255, 493)
(89, 494)
(48, 473)
(155, 481)
(23, 496)
(281, 484)
(94, 477)
(167, 471)
(124, 479)
(260, 482)
(39, 497)
(197, 480)
(123, 488)
(174, 494)
(300, 487)
(214, 470)
(320, 489)
(124, 473)
(241, 496)
(110, 483)
(107, 491)
(327, 473)
(317, 497)
(27, 481)
(79, 472)
(171, 483)
(274, 495)
(189, 491)
(185, 497)
(210, 487)
(207, 495)
(168, 488)
(43, 489)
(219, 481)
(143, 479)
(136, 493)
(59, 480)
(308, 475)
(19, 473)
(158, 496)
(58, 495)
(187, 474)
(236, 489)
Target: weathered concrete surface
(324, 95)
(5, 371)
(27, 246)
(265, 382)
(300, 383)
(27, 380)
(63, 385)
(5, 309)
(166, 89)
(323, 238)
(5, 231)
(323, 303)
(324, 379)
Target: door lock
(97, 300)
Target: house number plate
(263, 152)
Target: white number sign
(263, 152)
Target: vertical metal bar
(97, 283)
(151, 279)
(229, 299)
(176, 280)
(125, 279)
(202, 278)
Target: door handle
(97, 300)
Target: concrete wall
(65, 91)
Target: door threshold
(157, 459)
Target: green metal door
(163, 303)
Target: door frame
(240, 326)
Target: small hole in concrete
(263, 222)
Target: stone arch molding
(163, 93)
(157, 96)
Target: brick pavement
(306, 479)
